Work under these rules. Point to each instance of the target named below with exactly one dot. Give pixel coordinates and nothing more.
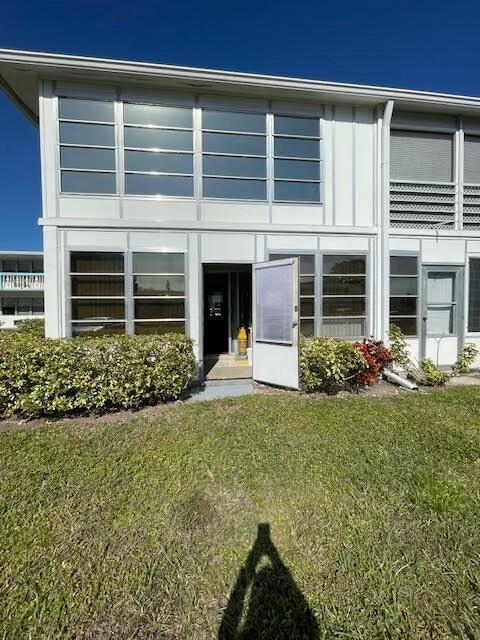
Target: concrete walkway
(217, 389)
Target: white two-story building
(21, 287)
(163, 185)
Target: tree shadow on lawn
(276, 609)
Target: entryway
(227, 306)
(442, 318)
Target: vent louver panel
(471, 207)
(415, 205)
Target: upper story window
(158, 142)
(297, 159)
(471, 159)
(87, 146)
(421, 156)
(179, 151)
(234, 155)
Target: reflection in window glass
(87, 158)
(234, 166)
(96, 262)
(88, 182)
(93, 110)
(165, 185)
(474, 295)
(158, 139)
(404, 293)
(159, 328)
(233, 121)
(297, 191)
(153, 263)
(233, 188)
(297, 148)
(160, 116)
(234, 144)
(297, 169)
(100, 135)
(344, 298)
(147, 161)
(293, 126)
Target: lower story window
(159, 292)
(474, 295)
(404, 293)
(344, 296)
(21, 306)
(107, 297)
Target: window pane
(158, 139)
(307, 307)
(307, 285)
(154, 161)
(440, 287)
(237, 189)
(344, 328)
(228, 166)
(88, 182)
(76, 109)
(344, 306)
(293, 126)
(403, 265)
(97, 328)
(344, 285)
(158, 263)
(101, 135)
(97, 286)
(408, 326)
(163, 308)
(231, 121)
(24, 266)
(10, 266)
(297, 148)
(98, 309)
(440, 321)
(85, 158)
(24, 305)
(152, 185)
(403, 306)
(297, 191)
(403, 286)
(300, 169)
(89, 262)
(37, 305)
(344, 264)
(232, 143)
(159, 285)
(158, 115)
(474, 295)
(307, 327)
(159, 328)
(274, 306)
(37, 266)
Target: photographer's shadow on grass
(276, 608)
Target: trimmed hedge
(330, 365)
(41, 376)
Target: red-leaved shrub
(377, 355)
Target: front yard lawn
(268, 516)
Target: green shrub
(465, 359)
(329, 365)
(432, 375)
(34, 326)
(40, 376)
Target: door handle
(424, 318)
(294, 324)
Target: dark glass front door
(215, 305)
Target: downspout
(385, 219)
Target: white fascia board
(96, 69)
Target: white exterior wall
(210, 231)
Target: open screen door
(275, 322)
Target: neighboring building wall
(21, 287)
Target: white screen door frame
(276, 302)
(442, 313)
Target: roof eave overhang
(84, 69)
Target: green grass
(146, 527)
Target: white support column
(53, 287)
